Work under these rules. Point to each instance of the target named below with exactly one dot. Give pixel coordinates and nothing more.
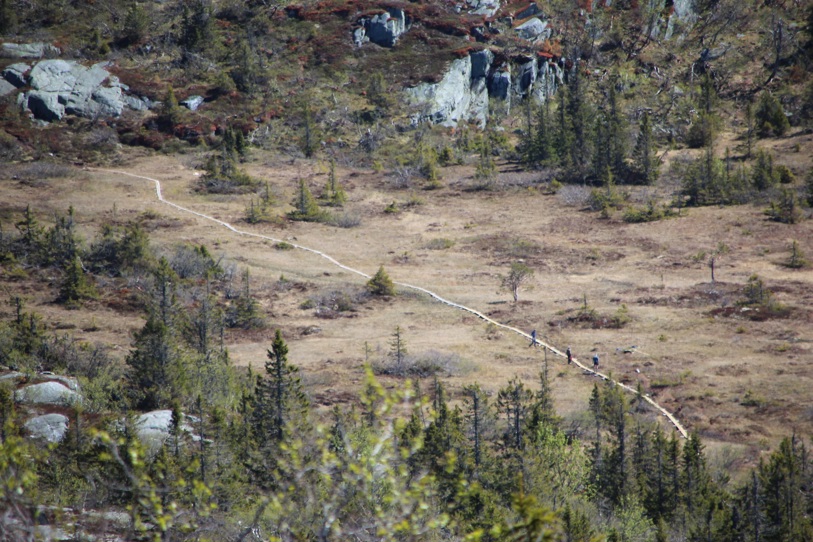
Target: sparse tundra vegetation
(256, 357)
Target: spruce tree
(157, 361)
(381, 284)
(514, 402)
(305, 206)
(76, 286)
(644, 159)
(280, 402)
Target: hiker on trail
(533, 338)
(569, 356)
(595, 361)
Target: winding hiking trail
(671, 417)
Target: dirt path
(672, 419)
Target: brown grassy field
(740, 382)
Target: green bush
(381, 284)
(770, 116)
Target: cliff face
(463, 93)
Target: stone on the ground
(16, 74)
(193, 102)
(28, 50)
(48, 427)
(47, 393)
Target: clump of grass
(440, 244)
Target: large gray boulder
(456, 98)
(193, 102)
(65, 86)
(49, 427)
(28, 50)
(153, 429)
(16, 74)
(45, 105)
(534, 30)
(47, 393)
(385, 28)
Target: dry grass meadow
(740, 382)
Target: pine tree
(796, 258)
(305, 206)
(514, 403)
(478, 413)
(170, 110)
(617, 134)
(156, 363)
(280, 403)
(579, 114)
(310, 137)
(544, 151)
(381, 284)
(398, 352)
(76, 286)
(749, 129)
(770, 116)
(31, 234)
(644, 158)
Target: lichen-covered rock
(486, 8)
(45, 105)
(385, 28)
(456, 98)
(62, 86)
(534, 30)
(193, 102)
(153, 429)
(28, 50)
(16, 74)
(360, 36)
(49, 427)
(47, 393)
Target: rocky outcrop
(45, 105)
(530, 11)
(49, 427)
(16, 74)
(460, 96)
(464, 90)
(28, 50)
(47, 393)
(61, 87)
(193, 102)
(6, 88)
(383, 29)
(153, 429)
(534, 30)
(486, 8)
(499, 83)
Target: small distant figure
(569, 356)
(533, 338)
(595, 361)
